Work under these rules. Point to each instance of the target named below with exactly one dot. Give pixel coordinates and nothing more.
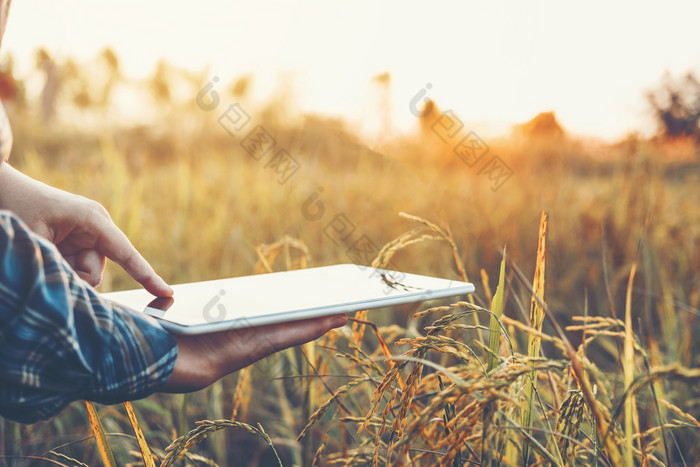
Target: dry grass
(413, 386)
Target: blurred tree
(90, 85)
(383, 81)
(52, 84)
(677, 106)
(12, 90)
(160, 83)
(111, 62)
(241, 86)
(74, 83)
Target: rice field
(577, 348)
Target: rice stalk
(667, 372)
(318, 456)
(100, 438)
(382, 427)
(406, 398)
(143, 446)
(536, 318)
(600, 420)
(486, 286)
(571, 415)
(305, 366)
(489, 455)
(268, 254)
(215, 408)
(446, 234)
(684, 415)
(182, 414)
(178, 448)
(363, 360)
(355, 343)
(337, 395)
(381, 261)
(242, 394)
(71, 461)
(531, 441)
(497, 310)
(628, 369)
(656, 390)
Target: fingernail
(339, 321)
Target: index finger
(117, 247)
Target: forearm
(60, 341)
(21, 194)
(34, 201)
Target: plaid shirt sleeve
(60, 341)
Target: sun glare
(493, 64)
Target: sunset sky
(491, 62)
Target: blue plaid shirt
(60, 341)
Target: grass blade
(182, 415)
(536, 318)
(497, 310)
(99, 432)
(242, 395)
(529, 439)
(628, 368)
(71, 462)
(487, 440)
(145, 450)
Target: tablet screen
(285, 296)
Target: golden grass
(143, 445)
(100, 437)
(406, 386)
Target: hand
(80, 228)
(203, 359)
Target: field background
(199, 207)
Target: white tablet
(218, 305)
